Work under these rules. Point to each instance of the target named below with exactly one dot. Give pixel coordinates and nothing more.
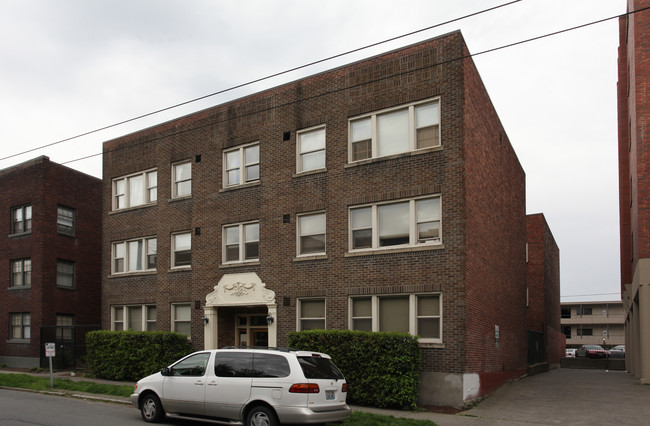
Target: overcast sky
(68, 67)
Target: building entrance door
(252, 331)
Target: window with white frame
(21, 219)
(135, 190)
(393, 131)
(181, 250)
(311, 314)
(182, 179)
(65, 220)
(182, 318)
(400, 223)
(135, 255)
(134, 317)
(311, 149)
(21, 273)
(241, 242)
(417, 314)
(20, 326)
(311, 234)
(64, 327)
(241, 165)
(65, 273)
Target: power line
(253, 82)
(327, 59)
(378, 79)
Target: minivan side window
(194, 365)
(268, 365)
(233, 364)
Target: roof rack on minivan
(270, 348)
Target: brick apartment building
(543, 293)
(382, 195)
(50, 280)
(634, 184)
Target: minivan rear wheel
(261, 416)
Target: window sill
(62, 287)
(20, 234)
(239, 264)
(432, 345)
(179, 269)
(241, 186)
(374, 252)
(18, 288)
(183, 198)
(394, 156)
(18, 341)
(138, 207)
(310, 257)
(132, 274)
(310, 172)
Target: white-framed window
(21, 323)
(136, 255)
(65, 220)
(133, 317)
(397, 223)
(65, 273)
(311, 233)
(311, 149)
(21, 219)
(182, 179)
(182, 318)
(241, 165)
(393, 131)
(182, 250)
(311, 314)
(135, 189)
(64, 327)
(241, 242)
(21, 273)
(417, 314)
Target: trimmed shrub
(382, 369)
(132, 355)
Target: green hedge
(382, 369)
(132, 355)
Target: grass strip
(26, 381)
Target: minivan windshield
(319, 368)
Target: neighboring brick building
(593, 323)
(634, 183)
(381, 195)
(543, 277)
(50, 280)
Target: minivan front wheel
(151, 409)
(261, 416)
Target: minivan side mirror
(166, 371)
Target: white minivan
(252, 386)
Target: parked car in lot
(249, 386)
(592, 351)
(570, 353)
(617, 351)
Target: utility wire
(382, 78)
(255, 81)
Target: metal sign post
(50, 352)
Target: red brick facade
(44, 186)
(478, 269)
